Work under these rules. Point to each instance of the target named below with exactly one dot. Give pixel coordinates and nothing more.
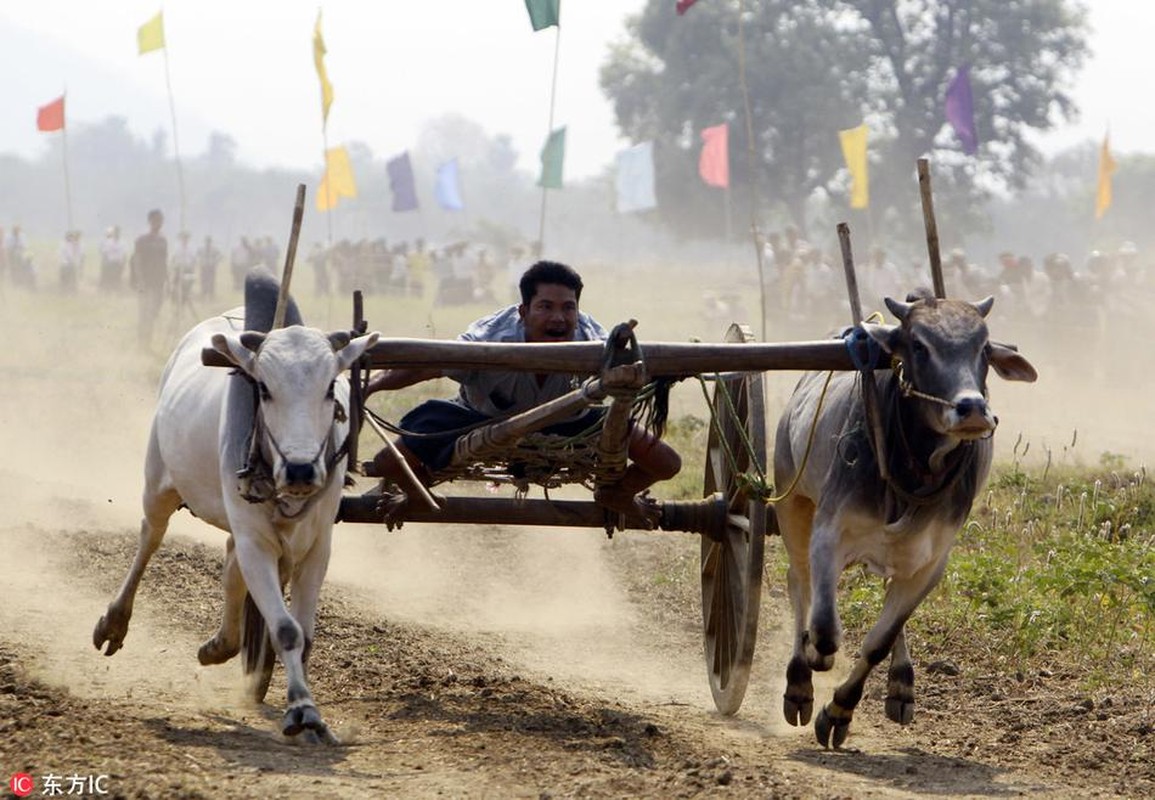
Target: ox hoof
(831, 729)
(216, 651)
(307, 719)
(900, 710)
(818, 662)
(797, 709)
(111, 628)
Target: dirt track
(467, 662)
(491, 676)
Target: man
(208, 259)
(183, 274)
(71, 262)
(548, 312)
(148, 273)
(112, 258)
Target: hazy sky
(245, 67)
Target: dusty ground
(491, 663)
(465, 662)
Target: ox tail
(257, 654)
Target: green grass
(1054, 570)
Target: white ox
(937, 426)
(205, 431)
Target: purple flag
(401, 182)
(960, 110)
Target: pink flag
(51, 116)
(714, 164)
(682, 6)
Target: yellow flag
(1106, 170)
(150, 35)
(338, 179)
(854, 151)
(319, 61)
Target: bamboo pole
(869, 387)
(549, 132)
(931, 228)
(663, 359)
(751, 171)
(175, 140)
(290, 256)
(64, 156)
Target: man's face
(155, 222)
(552, 314)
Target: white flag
(635, 183)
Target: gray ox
(257, 454)
(937, 428)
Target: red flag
(714, 164)
(684, 5)
(51, 116)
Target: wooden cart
(732, 518)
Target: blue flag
(960, 110)
(635, 180)
(449, 187)
(401, 182)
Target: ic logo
(21, 784)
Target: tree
(1024, 56)
(814, 67)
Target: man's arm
(399, 378)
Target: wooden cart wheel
(732, 567)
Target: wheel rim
(731, 567)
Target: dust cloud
(76, 411)
(76, 398)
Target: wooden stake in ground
(290, 256)
(931, 228)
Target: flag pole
(175, 139)
(751, 160)
(549, 133)
(328, 184)
(64, 156)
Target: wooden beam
(663, 359)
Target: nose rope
(908, 390)
(257, 482)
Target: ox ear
(984, 306)
(1010, 365)
(338, 339)
(236, 351)
(355, 349)
(885, 335)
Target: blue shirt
(495, 393)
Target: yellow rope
(809, 446)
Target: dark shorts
(435, 449)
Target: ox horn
(900, 309)
(984, 306)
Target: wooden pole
(663, 359)
(290, 255)
(549, 133)
(869, 387)
(67, 179)
(175, 141)
(931, 228)
(751, 168)
(851, 277)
